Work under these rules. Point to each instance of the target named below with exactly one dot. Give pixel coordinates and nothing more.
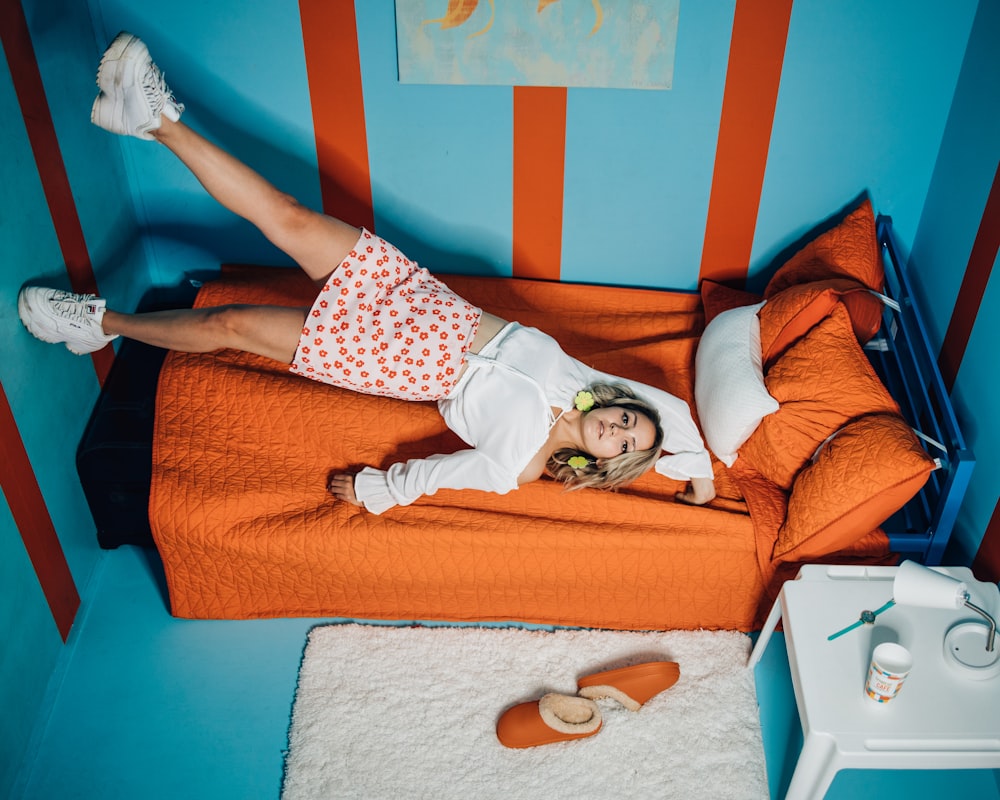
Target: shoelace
(154, 86)
(70, 306)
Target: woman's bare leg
(270, 331)
(134, 100)
(316, 242)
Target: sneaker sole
(32, 324)
(115, 75)
(123, 49)
(88, 351)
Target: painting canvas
(619, 44)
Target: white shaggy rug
(389, 713)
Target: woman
(382, 325)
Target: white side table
(941, 718)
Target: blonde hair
(609, 473)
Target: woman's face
(608, 432)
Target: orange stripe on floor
(333, 66)
(539, 161)
(970, 294)
(27, 507)
(756, 54)
(30, 93)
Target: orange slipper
(554, 718)
(631, 686)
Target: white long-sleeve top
(502, 408)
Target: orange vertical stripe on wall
(756, 54)
(970, 294)
(27, 507)
(333, 66)
(539, 162)
(41, 132)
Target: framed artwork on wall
(610, 44)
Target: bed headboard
(902, 356)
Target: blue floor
(147, 706)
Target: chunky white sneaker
(134, 94)
(56, 316)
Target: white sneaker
(56, 316)
(134, 94)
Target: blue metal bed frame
(902, 356)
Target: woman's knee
(271, 331)
(316, 241)
(290, 218)
(228, 326)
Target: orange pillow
(848, 250)
(821, 383)
(791, 313)
(717, 297)
(859, 479)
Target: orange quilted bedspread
(245, 528)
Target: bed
(834, 441)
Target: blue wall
(864, 98)
(857, 110)
(963, 174)
(50, 395)
(881, 97)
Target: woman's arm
(379, 490)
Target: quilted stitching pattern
(821, 383)
(848, 250)
(246, 529)
(793, 312)
(861, 477)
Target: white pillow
(729, 381)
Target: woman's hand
(342, 487)
(702, 491)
